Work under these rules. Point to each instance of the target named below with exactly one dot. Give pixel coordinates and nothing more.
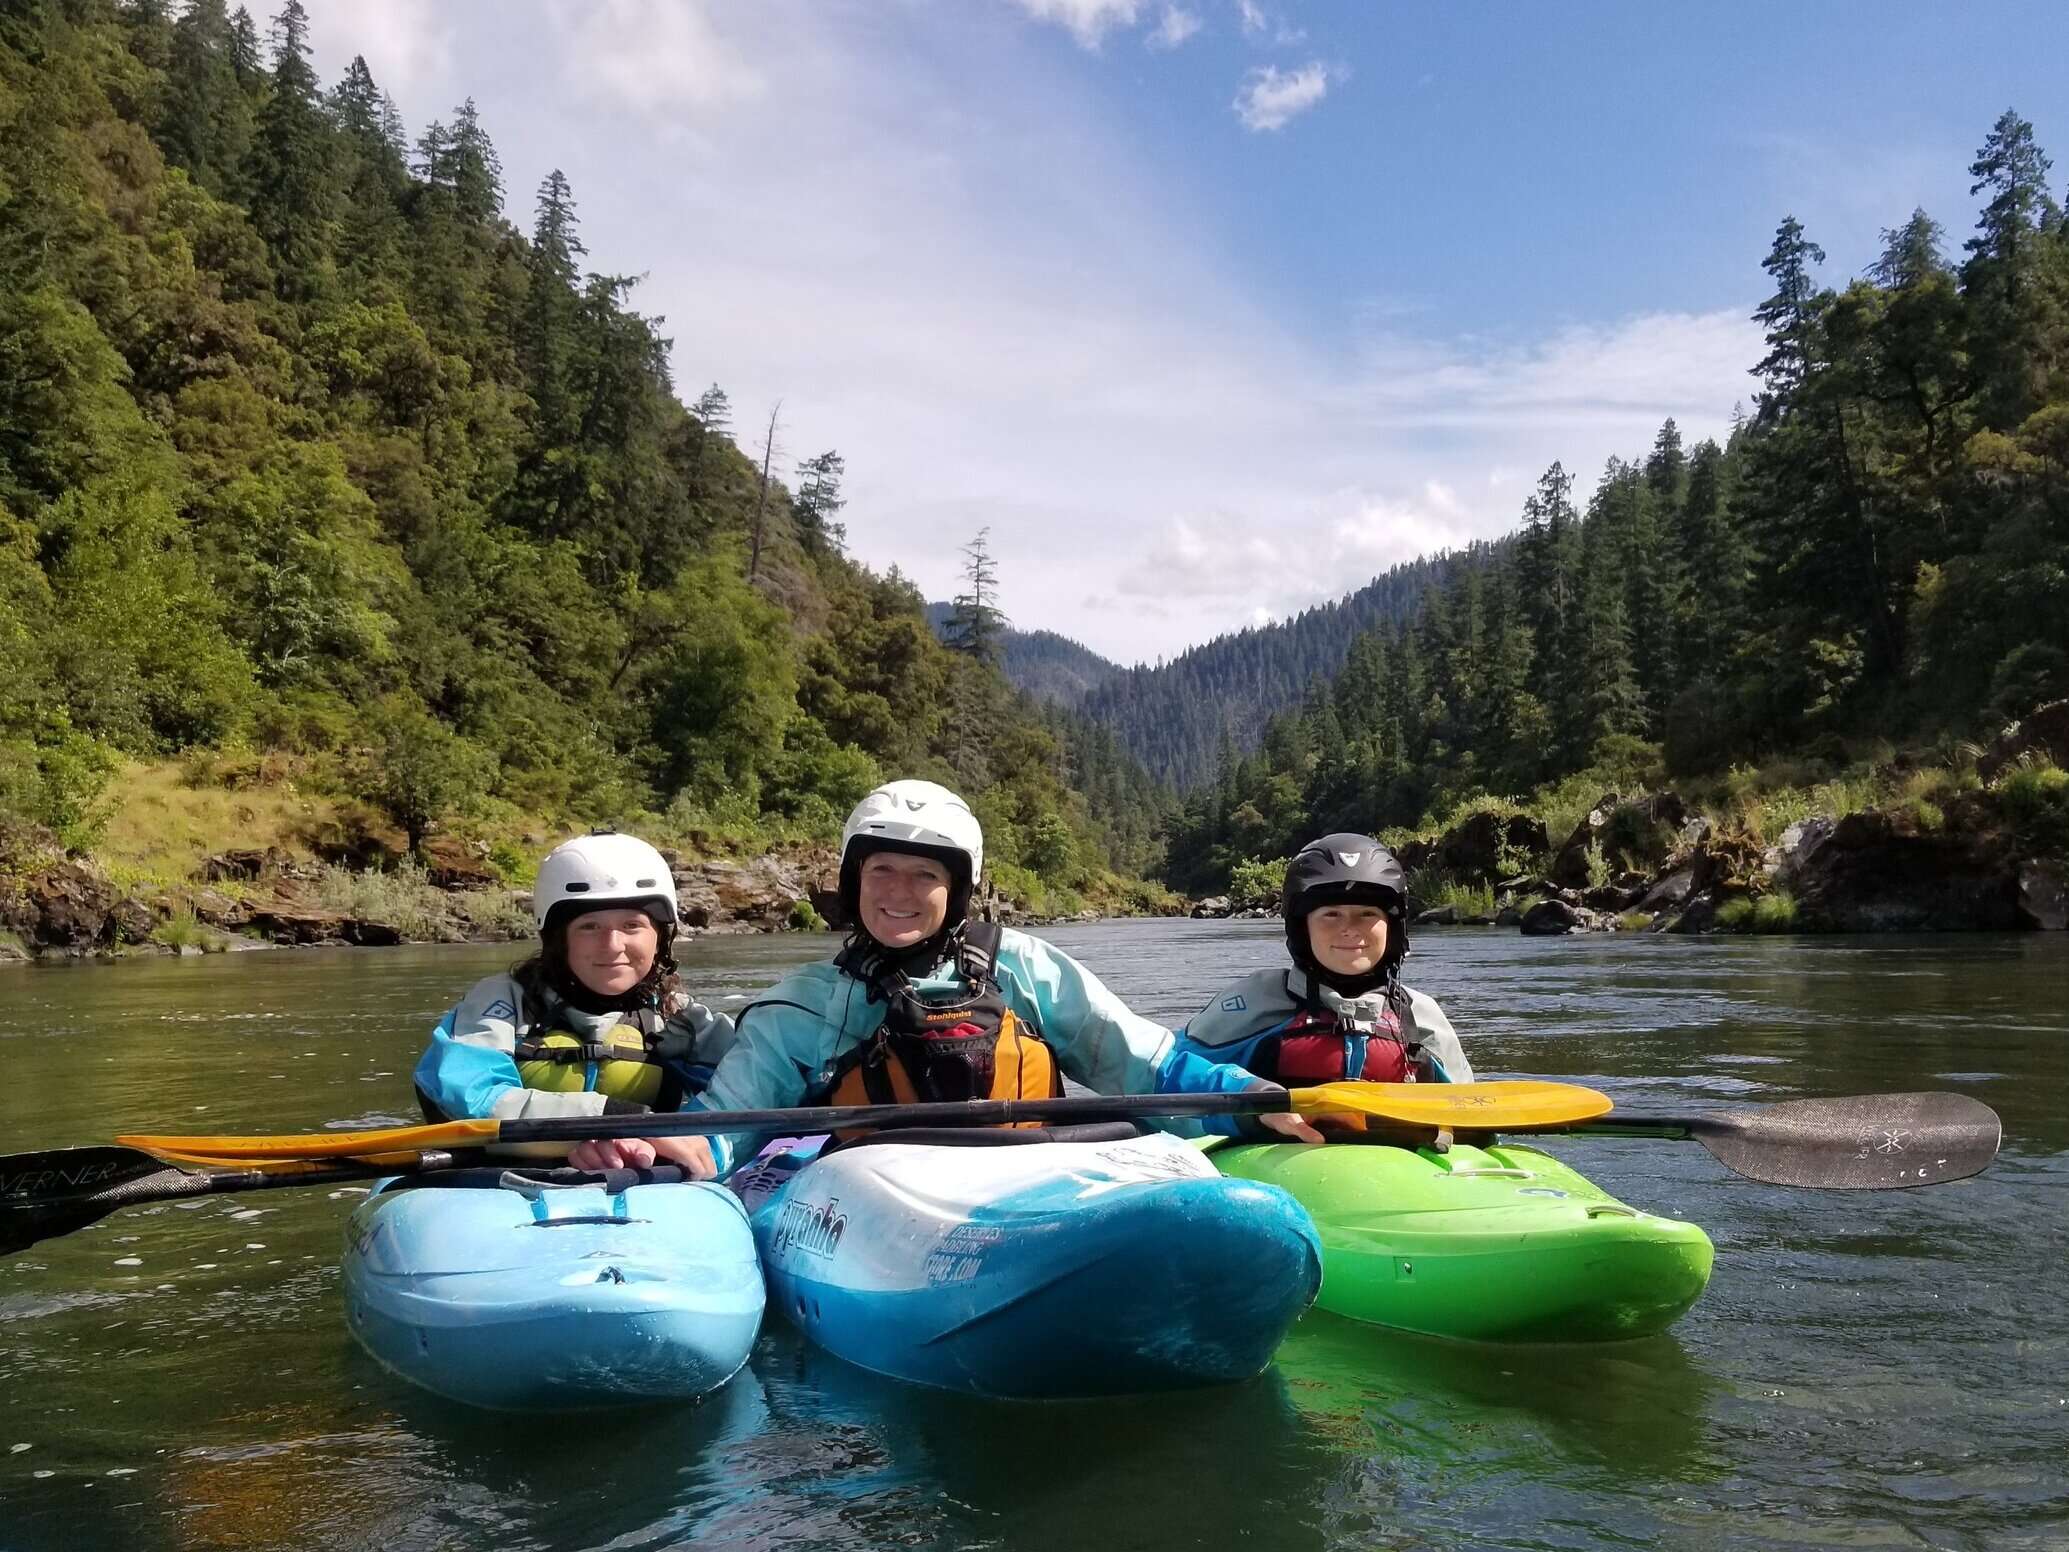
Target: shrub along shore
(1903, 844)
(1978, 841)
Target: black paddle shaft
(46, 1195)
(811, 1119)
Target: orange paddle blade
(404, 1141)
(1508, 1105)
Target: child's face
(904, 899)
(1348, 939)
(610, 952)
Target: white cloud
(1177, 25)
(656, 57)
(1271, 97)
(1089, 21)
(405, 44)
(1254, 19)
(1196, 558)
(949, 268)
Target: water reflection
(1866, 1368)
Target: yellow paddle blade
(403, 1142)
(1508, 1105)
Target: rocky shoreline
(1977, 859)
(1984, 859)
(57, 907)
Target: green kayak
(1496, 1244)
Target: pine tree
(293, 194)
(208, 122)
(1790, 316)
(471, 168)
(2004, 278)
(818, 499)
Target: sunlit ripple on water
(1881, 1369)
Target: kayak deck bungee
(1498, 1243)
(1059, 1268)
(528, 1297)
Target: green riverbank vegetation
(342, 506)
(1827, 611)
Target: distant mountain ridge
(1048, 666)
(1174, 716)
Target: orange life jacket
(945, 1046)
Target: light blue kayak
(1038, 1269)
(555, 1297)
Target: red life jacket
(1313, 1046)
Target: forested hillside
(1179, 718)
(306, 448)
(1879, 555)
(1049, 666)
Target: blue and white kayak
(1060, 1268)
(529, 1296)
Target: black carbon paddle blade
(1870, 1142)
(44, 1195)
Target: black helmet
(1346, 869)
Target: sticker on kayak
(1233, 1005)
(1162, 1163)
(960, 1255)
(810, 1228)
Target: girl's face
(904, 898)
(1348, 939)
(610, 952)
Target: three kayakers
(597, 1021)
(924, 1003)
(1341, 1010)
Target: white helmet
(914, 816)
(605, 868)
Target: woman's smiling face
(1348, 939)
(904, 898)
(611, 951)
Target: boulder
(1211, 907)
(371, 934)
(756, 895)
(1440, 916)
(1508, 916)
(67, 907)
(453, 864)
(1480, 845)
(1570, 866)
(215, 909)
(246, 866)
(1415, 854)
(2044, 896)
(285, 921)
(2044, 733)
(1554, 918)
(1626, 830)
(1675, 888)
(131, 921)
(1610, 897)
(1879, 871)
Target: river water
(1885, 1370)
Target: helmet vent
(576, 887)
(643, 883)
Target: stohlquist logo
(812, 1229)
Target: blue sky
(1212, 308)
